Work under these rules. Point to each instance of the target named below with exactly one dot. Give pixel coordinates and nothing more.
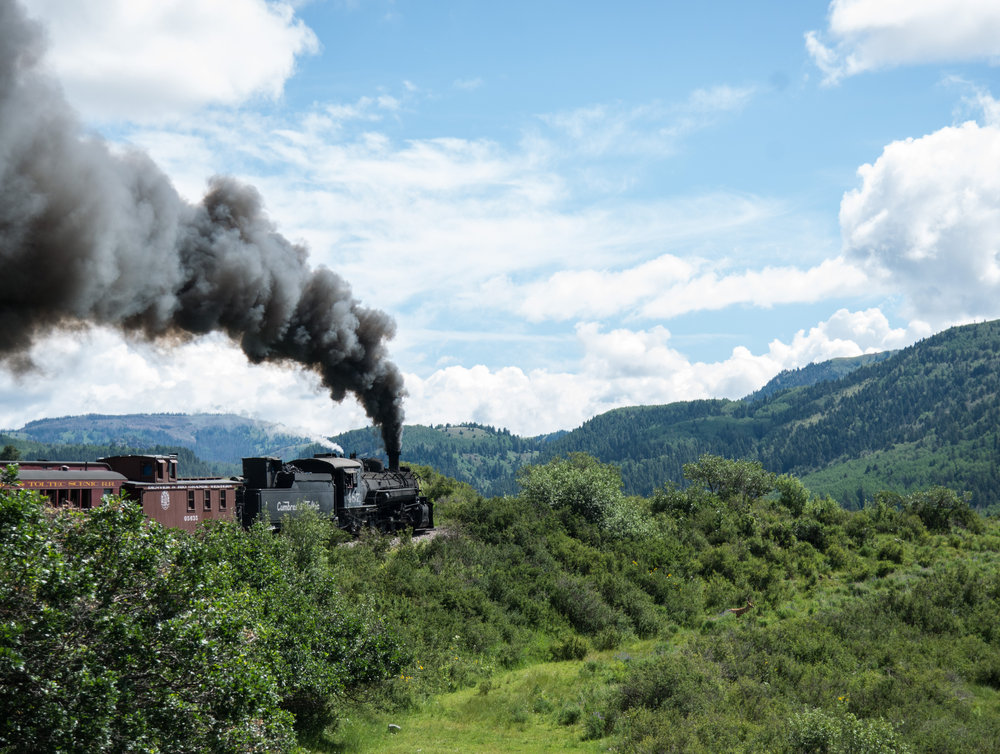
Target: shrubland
(571, 609)
(119, 635)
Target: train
(357, 494)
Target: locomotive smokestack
(90, 236)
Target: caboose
(178, 502)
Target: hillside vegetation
(929, 414)
(568, 617)
(482, 456)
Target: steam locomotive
(359, 493)
(356, 493)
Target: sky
(566, 207)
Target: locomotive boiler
(358, 493)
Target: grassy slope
(524, 710)
(511, 713)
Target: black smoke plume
(92, 236)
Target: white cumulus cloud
(865, 35)
(926, 219)
(97, 371)
(141, 59)
(623, 367)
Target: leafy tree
(791, 493)
(733, 481)
(10, 453)
(579, 483)
(940, 507)
(583, 486)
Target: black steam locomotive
(360, 493)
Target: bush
(582, 606)
(121, 635)
(570, 648)
(819, 732)
(579, 484)
(737, 482)
(792, 494)
(940, 508)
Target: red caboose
(179, 502)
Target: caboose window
(190, 500)
(147, 469)
(222, 500)
(208, 500)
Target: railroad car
(79, 484)
(178, 502)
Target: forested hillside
(926, 415)
(482, 456)
(824, 371)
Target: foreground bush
(119, 635)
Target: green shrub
(582, 606)
(940, 508)
(820, 732)
(570, 648)
(609, 638)
(579, 484)
(792, 494)
(892, 551)
(837, 556)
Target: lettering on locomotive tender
(285, 506)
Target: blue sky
(566, 207)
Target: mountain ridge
(924, 415)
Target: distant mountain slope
(823, 371)
(224, 438)
(928, 414)
(485, 457)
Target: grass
(536, 709)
